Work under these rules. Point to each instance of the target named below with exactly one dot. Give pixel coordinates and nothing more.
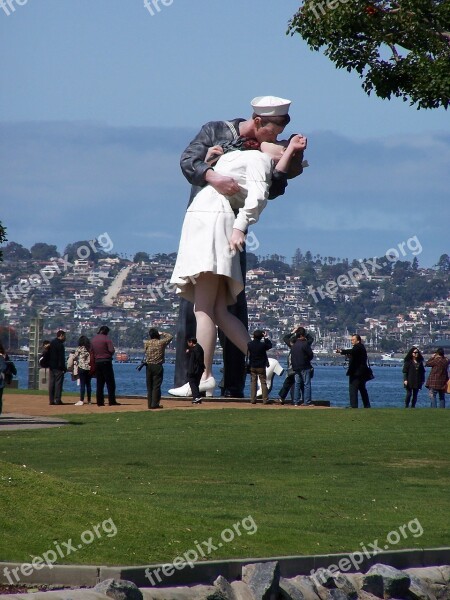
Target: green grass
(313, 482)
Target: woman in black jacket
(413, 375)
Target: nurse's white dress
(209, 222)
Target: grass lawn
(311, 482)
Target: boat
(122, 357)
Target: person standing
(289, 382)
(155, 349)
(195, 368)
(438, 377)
(57, 367)
(413, 375)
(270, 117)
(357, 371)
(3, 356)
(83, 357)
(258, 361)
(103, 350)
(301, 355)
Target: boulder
(263, 579)
(306, 586)
(386, 582)
(224, 587)
(119, 589)
(288, 591)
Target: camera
(141, 366)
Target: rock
(119, 589)
(224, 587)
(386, 582)
(196, 592)
(432, 580)
(263, 579)
(289, 591)
(432, 574)
(241, 591)
(420, 589)
(373, 583)
(306, 585)
(334, 586)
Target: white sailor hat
(270, 106)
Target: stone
(386, 581)
(420, 589)
(373, 583)
(196, 592)
(241, 590)
(119, 589)
(289, 591)
(307, 586)
(263, 579)
(224, 587)
(433, 574)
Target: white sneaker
(79, 403)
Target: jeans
(55, 385)
(85, 384)
(302, 390)
(414, 393)
(254, 374)
(155, 374)
(433, 394)
(1, 399)
(288, 386)
(105, 374)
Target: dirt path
(37, 405)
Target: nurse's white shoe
(184, 391)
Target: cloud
(63, 182)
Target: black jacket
(301, 355)
(413, 373)
(257, 353)
(196, 361)
(192, 160)
(57, 355)
(357, 366)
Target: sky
(99, 99)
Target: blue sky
(98, 99)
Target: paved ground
(24, 411)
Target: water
(329, 383)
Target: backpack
(10, 371)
